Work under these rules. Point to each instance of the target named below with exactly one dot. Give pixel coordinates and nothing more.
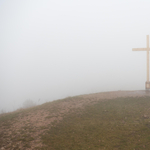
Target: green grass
(111, 125)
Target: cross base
(147, 85)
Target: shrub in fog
(28, 103)
(2, 111)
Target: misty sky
(51, 49)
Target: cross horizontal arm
(140, 49)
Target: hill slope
(109, 120)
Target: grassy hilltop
(103, 121)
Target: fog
(52, 49)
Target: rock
(145, 116)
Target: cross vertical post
(147, 58)
(147, 83)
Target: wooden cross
(147, 84)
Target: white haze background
(52, 49)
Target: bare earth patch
(28, 126)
